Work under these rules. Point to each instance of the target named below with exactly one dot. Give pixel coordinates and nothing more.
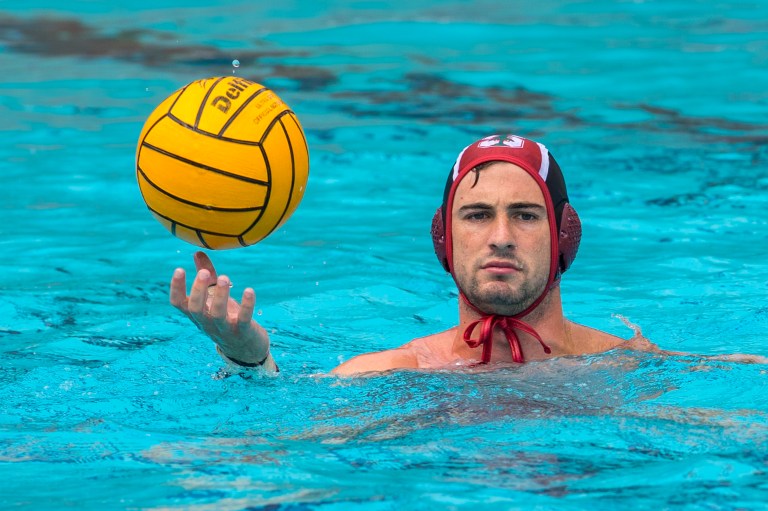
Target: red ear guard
(567, 242)
(569, 238)
(438, 238)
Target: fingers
(219, 302)
(209, 305)
(199, 294)
(203, 262)
(245, 314)
(179, 289)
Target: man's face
(501, 239)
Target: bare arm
(743, 358)
(400, 358)
(640, 343)
(239, 339)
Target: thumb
(202, 262)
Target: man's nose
(502, 235)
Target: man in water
(505, 232)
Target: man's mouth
(501, 266)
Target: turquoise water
(655, 110)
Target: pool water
(110, 399)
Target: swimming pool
(656, 112)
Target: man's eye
(528, 216)
(480, 215)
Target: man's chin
(501, 311)
(504, 305)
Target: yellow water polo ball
(222, 162)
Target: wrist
(267, 362)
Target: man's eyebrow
(475, 205)
(526, 205)
(514, 205)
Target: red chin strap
(508, 324)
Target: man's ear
(569, 237)
(438, 238)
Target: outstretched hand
(209, 306)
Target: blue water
(109, 399)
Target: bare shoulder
(641, 343)
(419, 353)
(399, 358)
(596, 341)
(591, 340)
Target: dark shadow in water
(437, 100)
(709, 128)
(70, 37)
(429, 98)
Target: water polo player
(505, 232)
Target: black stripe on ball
(206, 167)
(197, 204)
(205, 101)
(237, 112)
